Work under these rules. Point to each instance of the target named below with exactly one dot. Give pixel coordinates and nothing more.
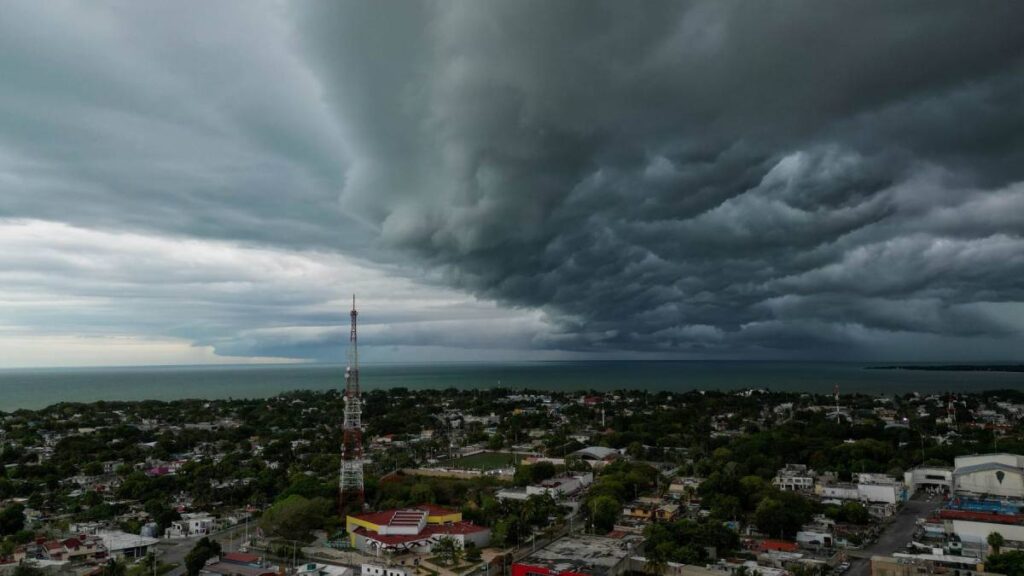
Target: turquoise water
(37, 388)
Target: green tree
(114, 567)
(1009, 563)
(422, 493)
(294, 517)
(12, 519)
(854, 513)
(200, 554)
(446, 549)
(541, 471)
(996, 541)
(782, 514)
(604, 511)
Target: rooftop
(230, 569)
(405, 516)
(450, 528)
(595, 555)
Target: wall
(987, 482)
(888, 494)
(970, 531)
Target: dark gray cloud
(786, 179)
(710, 177)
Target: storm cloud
(678, 179)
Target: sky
(210, 182)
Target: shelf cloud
(798, 179)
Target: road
(896, 535)
(174, 551)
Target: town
(498, 481)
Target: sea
(38, 388)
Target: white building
(315, 569)
(990, 474)
(561, 486)
(122, 544)
(880, 489)
(374, 570)
(199, 524)
(795, 478)
(928, 478)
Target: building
(880, 489)
(684, 486)
(881, 493)
(972, 520)
(124, 545)
(596, 456)
(795, 478)
(190, 525)
(238, 564)
(638, 514)
(999, 475)
(930, 478)
(83, 547)
(412, 529)
(558, 488)
(561, 486)
(374, 570)
(229, 569)
(917, 564)
(988, 496)
(579, 556)
(314, 569)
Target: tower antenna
(835, 392)
(350, 485)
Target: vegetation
(996, 541)
(294, 517)
(687, 541)
(200, 554)
(1009, 563)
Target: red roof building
(412, 529)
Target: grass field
(485, 461)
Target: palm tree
(996, 541)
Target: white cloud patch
(132, 297)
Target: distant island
(957, 367)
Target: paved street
(174, 551)
(896, 536)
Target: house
(190, 525)
(795, 478)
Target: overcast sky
(211, 181)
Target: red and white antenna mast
(835, 392)
(350, 484)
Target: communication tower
(350, 486)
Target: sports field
(485, 461)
